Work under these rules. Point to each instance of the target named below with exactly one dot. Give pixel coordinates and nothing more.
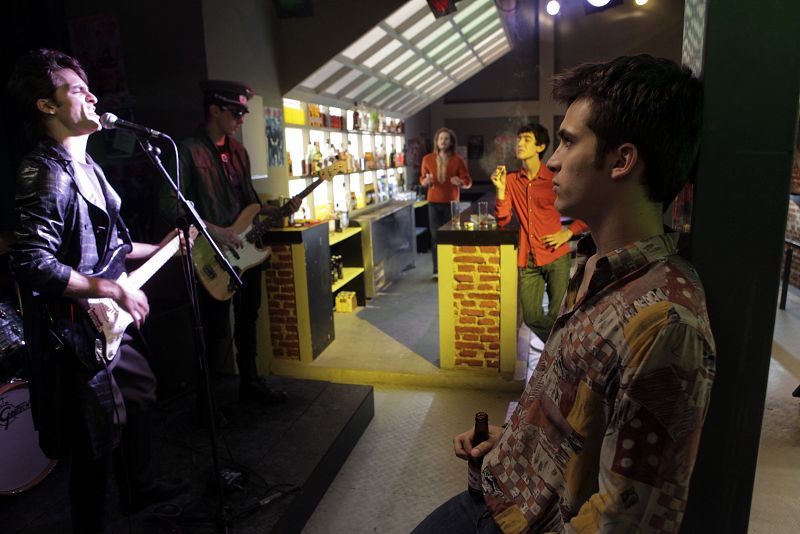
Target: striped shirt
(605, 436)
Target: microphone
(109, 121)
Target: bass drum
(22, 463)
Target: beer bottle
(474, 464)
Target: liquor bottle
(474, 464)
(289, 162)
(310, 159)
(317, 159)
(356, 117)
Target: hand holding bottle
(462, 443)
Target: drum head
(22, 463)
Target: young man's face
(72, 105)
(444, 141)
(581, 187)
(527, 146)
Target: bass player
(215, 175)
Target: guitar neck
(302, 194)
(325, 174)
(262, 226)
(137, 278)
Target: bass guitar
(93, 328)
(214, 278)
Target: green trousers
(533, 281)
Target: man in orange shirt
(543, 250)
(444, 173)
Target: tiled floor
(403, 466)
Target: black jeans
(463, 514)
(438, 216)
(217, 328)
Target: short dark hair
(539, 132)
(650, 102)
(33, 78)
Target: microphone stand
(224, 512)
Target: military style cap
(227, 93)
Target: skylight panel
(425, 72)
(322, 74)
(363, 44)
(480, 19)
(393, 65)
(375, 58)
(450, 41)
(370, 98)
(462, 15)
(494, 37)
(490, 57)
(447, 58)
(424, 23)
(437, 34)
(359, 90)
(479, 35)
(345, 80)
(382, 100)
(404, 13)
(414, 67)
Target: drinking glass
(455, 212)
(483, 213)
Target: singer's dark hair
(34, 78)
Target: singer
(68, 225)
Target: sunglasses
(237, 113)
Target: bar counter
(478, 295)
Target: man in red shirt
(543, 250)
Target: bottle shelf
(338, 237)
(328, 129)
(348, 274)
(293, 177)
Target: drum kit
(22, 463)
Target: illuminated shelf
(348, 274)
(293, 177)
(340, 130)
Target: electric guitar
(93, 327)
(214, 278)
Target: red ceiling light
(440, 8)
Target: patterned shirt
(605, 436)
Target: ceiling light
(598, 3)
(641, 2)
(553, 7)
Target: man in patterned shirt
(605, 436)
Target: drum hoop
(12, 384)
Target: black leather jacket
(59, 229)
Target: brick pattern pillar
(476, 305)
(282, 304)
